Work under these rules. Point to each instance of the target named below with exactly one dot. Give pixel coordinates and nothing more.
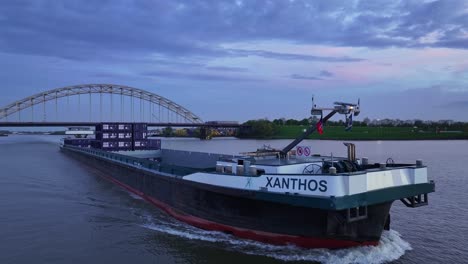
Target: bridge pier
(205, 133)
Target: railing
(137, 162)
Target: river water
(55, 210)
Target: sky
(242, 60)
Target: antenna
(315, 110)
(357, 108)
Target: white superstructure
(309, 177)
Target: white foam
(391, 246)
(134, 196)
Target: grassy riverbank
(369, 133)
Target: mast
(339, 107)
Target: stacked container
(154, 144)
(114, 136)
(140, 132)
(124, 137)
(112, 145)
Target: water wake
(391, 246)
(134, 196)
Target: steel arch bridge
(112, 89)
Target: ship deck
(292, 161)
(209, 176)
(181, 163)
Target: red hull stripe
(265, 237)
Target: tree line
(264, 128)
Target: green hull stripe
(350, 201)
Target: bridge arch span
(122, 90)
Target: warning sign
(307, 151)
(303, 151)
(299, 151)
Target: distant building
(446, 121)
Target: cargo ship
(277, 196)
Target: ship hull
(241, 213)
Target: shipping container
(115, 127)
(140, 143)
(154, 144)
(139, 135)
(112, 145)
(140, 127)
(105, 127)
(114, 137)
(125, 144)
(125, 135)
(107, 135)
(125, 127)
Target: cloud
(288, 56)
(198, 76)
(325, 73)
(463, 104)
(190, 43)
(227, 69)
(304, 77)
(108, 75)
(322, 75)
(93, 30)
